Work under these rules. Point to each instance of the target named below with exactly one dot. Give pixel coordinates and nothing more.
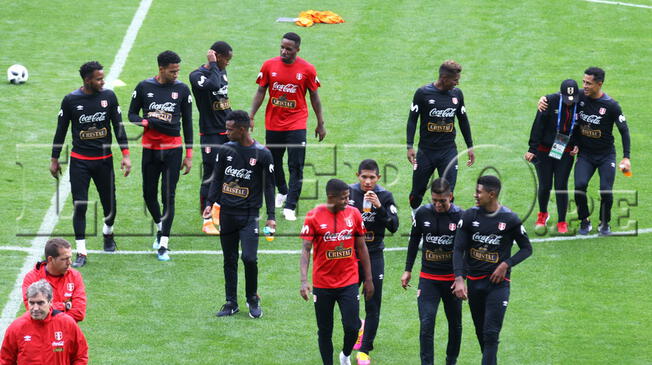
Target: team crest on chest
(104, 103)
(349, 222)
(452, 226)
(323, 226)
(454, 101)
(252, 161)
(502, 226)
(58, 335)
(299, 76)
(70, 286)
(175, 95)
(602, 111)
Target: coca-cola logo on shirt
(369, 217)
(238, 173)
(488, 239)
(94, 118)
(442, 113)
(165, 107)
(590, 118)
(342, 235)
(286, 88)
(444, 239)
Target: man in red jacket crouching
(43, 335)
(69, 293)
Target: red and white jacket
(69, 292)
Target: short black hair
(221, 47)
(490, 183)
(87, 69)
(240, 118)
(293, 37)
(369, 164)
(53, 245)
(440, 186)
(596, 72)
(168, 57)
(336, 186)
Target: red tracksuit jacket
(68, 288)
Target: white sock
(164, 241)
(81, 247)
(159, 225)
(107, 229)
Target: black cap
(569, 91)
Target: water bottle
(366, 206)
(626, 172)
(269, 233)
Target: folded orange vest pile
(309, 17)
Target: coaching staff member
(482, 253)
(337, 232)
(210, 86)
(243, 172)
(43, 335)
(69, 292)
(437, 105)
(552, 147)
(287, 78)
(91, 110)
(435, 225)
(166, 106)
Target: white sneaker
(344, 360)
(280, 200)
(289, 214)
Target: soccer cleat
(157, 242)
(363, 359)
(345, 360)
(542, 219)
(80, 261)
(209, 228)
(604, 230)
(162, 254)
(228, 309)
(289, 214)
(562, 227)
(280, 200)
(585, 227)
(254, 307)
(358, 342)
(109, 243)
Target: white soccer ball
(17, 74)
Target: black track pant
(445, 161)
(236, 228)
(488, 304)
(81, 173)
(209, 144)
(547, 169)
(348, 300)
(372, 306)
(295, 144)
(584, 169)
(157, 163)
(429, 295)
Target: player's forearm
(525, 251)
(257, 101)
(363, 255)
(304, 262)
(624, 136)
(411, 129)
(465, 128)
(316, 107)
(459, 249)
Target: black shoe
(585, 227)
(228, 309)
(109, 243)
(79, 261)
(254, 307)
(604, 229)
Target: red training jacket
(68, 288)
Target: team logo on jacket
(602, 111)
(175, 95)
(104, 103)
(299, 76)
(70, 286)
(502, 226)
(58, 335)
(454, 101)
(452, 226)
(349, 222)
(252, 161)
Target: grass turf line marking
(619, 3)
(296, 252)
(51, 216)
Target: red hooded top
(68, 291)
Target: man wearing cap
(552, 148)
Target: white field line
(620, 3)
(296, 252)
(52, 216)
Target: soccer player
(598, 113)
(437, 105)
(69, 292)
(482, 253)
(91, 110)
(243, 172)
(210, 87)
(288, 77)
(166, 105)
(552, 147)
(435, 225)
(337, 233)
(43, 335)
(379, 213)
